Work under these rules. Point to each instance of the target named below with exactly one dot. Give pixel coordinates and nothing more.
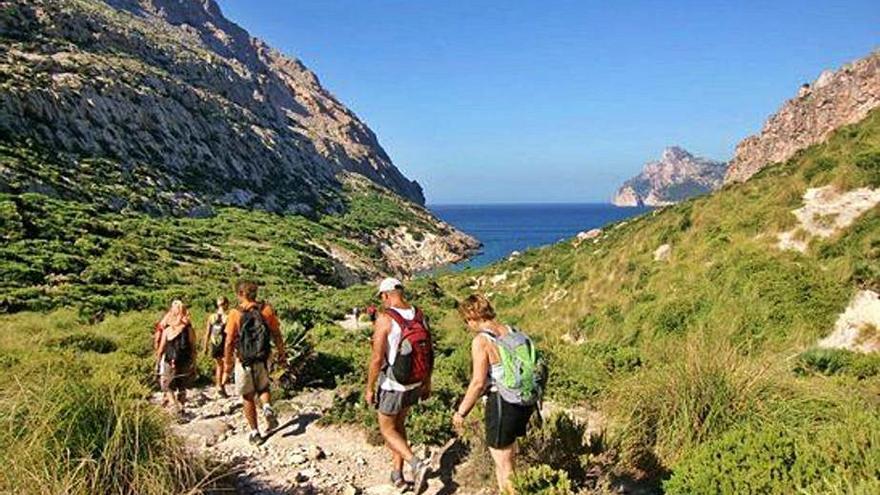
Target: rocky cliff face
(835, 99)
(678, 175)
(170, 98)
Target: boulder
(663, 253)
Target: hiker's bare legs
(394, 439)
(505, 460)
(265, 399)
(400, 427)
(250, 410)
(218, 373)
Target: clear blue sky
(558, 101)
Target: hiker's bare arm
(381, 328)
(161, 347)
(479, 375)
(229, 347)
(207, 333)
(275, 330)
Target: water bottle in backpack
(414, 360)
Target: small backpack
(414, 360)
(178, 351)
(525, 372)
(254, 343)
(217, 335)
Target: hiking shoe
(420, 471)
(255, 438)
(397, 480)
(221, 391)
(271, 419)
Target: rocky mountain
(835, 99)
(175, 104)
(676, 176)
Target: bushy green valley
(702, 366)
(152, 151)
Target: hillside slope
(694, 329)
(170, 98)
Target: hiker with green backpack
(215, 342)
(509, 372)
(251, 329)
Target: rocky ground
(301, 456)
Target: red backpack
(415, 352)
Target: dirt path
(301, 457)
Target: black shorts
(218, 353)
(505, 422)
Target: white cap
(389, 284)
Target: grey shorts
(251, 379)
(390, 403)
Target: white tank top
(389, 383)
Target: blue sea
(504, 228)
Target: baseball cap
(389, 284)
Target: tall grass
(63, 432)
(664, 412)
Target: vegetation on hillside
(703, 364)
(689, 357)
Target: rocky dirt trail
(301, 456)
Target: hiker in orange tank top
(250, 331)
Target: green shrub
(84, 342)
(837, 361)
(542, 480)
(560, 443)
(837, 457)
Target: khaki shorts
(251, 379)
(170, 379)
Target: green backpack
(525, 372)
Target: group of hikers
(507, 371)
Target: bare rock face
(678, 175)
(835, 99)
(171, 98)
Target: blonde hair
(476, 307)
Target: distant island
(676, 176)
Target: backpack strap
(400, 320)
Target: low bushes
(542, 480)
(834, 457)
(837, 361)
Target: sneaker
(255, 438)
(420, 471)
(397, 480)
(271, 420)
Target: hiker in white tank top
(391, 399)
(388, 383)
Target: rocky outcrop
(826, 212)
(835, 99)
(678, 175)
(858, 327)
(170, 97)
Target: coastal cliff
(834, 99)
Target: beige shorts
(251, 379)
